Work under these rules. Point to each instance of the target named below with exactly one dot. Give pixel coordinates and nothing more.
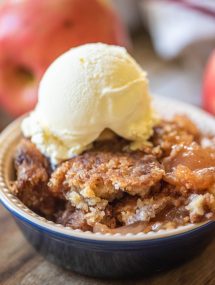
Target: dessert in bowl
(101, 180)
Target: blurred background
(172, 40)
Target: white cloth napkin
(175, 26)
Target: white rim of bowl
(12, 134)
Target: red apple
(209, 86)
(33, 33)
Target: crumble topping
(110, 188)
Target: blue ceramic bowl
(104, 255)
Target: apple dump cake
(110, 188)
(96, 156)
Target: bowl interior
(12, 134)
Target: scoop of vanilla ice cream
(85, 91)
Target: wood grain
(20, 265)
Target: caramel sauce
(193, 156)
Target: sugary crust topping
(110, 188)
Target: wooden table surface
(21, 265)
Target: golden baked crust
(110, 188)
(33, 172)
(107, 175)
